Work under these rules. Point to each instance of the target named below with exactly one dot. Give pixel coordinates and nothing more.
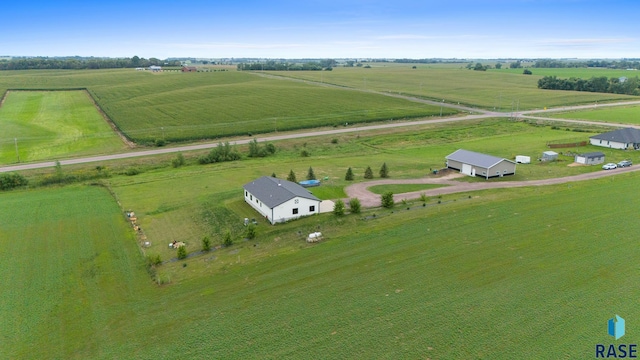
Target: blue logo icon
(616, 327)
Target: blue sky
(322, 29)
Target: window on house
(312, 208)
(257, 202)
(246, 193)
(295, 211)
(250, 197)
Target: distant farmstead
(627, 138)
(280, 200)
(477, 164)
(189, 69)
(155, 68)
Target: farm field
(71, 274)
(174, 106)
(624, 115)
(188, 203)
(502, 90)
(499, 276)
(53, 124)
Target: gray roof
(273, 192)
(474, 158)
(626, 135)
(594, 154)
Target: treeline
(617, 64)
(628, 86)
(80, 63)
(271, 65)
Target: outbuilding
(627, 138)
(549, 156)
(592, 158)
(280, 200)
(477, 164)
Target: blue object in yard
(309, 183)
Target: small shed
(522, 159)
(592, 158)
(189, 69)
(549, 156)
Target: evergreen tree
(384, 171)
(338, 208)
(354, 205)
(292, 176)
(310, 174)
(368, 174)
(349, 175)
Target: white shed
(521, 159)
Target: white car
(609, 166)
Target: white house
(280, 200)
(618, 139)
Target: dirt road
(369, 199)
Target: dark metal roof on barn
(591, 155)
(474, 158)
(626, 136)
(273, 192)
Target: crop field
(582, 73)
(42, 125)
(507, 274)
(502, 90)
(175, 107)
(623, 115)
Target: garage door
(466, 169)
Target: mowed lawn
(49, 125)
(519, 273)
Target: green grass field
(499, 276)
(53, 124)
(401, 188)
(623, 115)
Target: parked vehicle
(609, 166)
(625, 163)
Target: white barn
(477, 164)
(280, 200)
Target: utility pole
(17, 153)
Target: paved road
(480, 114)
(369, 199)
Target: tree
(368, 173)
(527, 72)
(12, 180)
(479, 67)
(273, 175)
(254, 148)
(206, 243)
(387, 200)
(251, 232)
(384, 171)
(227, 240)
(349, 175)
(516, 65)
(498, 66)
(182, 252)
(354, 205)
(310, 174)
(338, 208)
(178, 160)
(292, 176)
